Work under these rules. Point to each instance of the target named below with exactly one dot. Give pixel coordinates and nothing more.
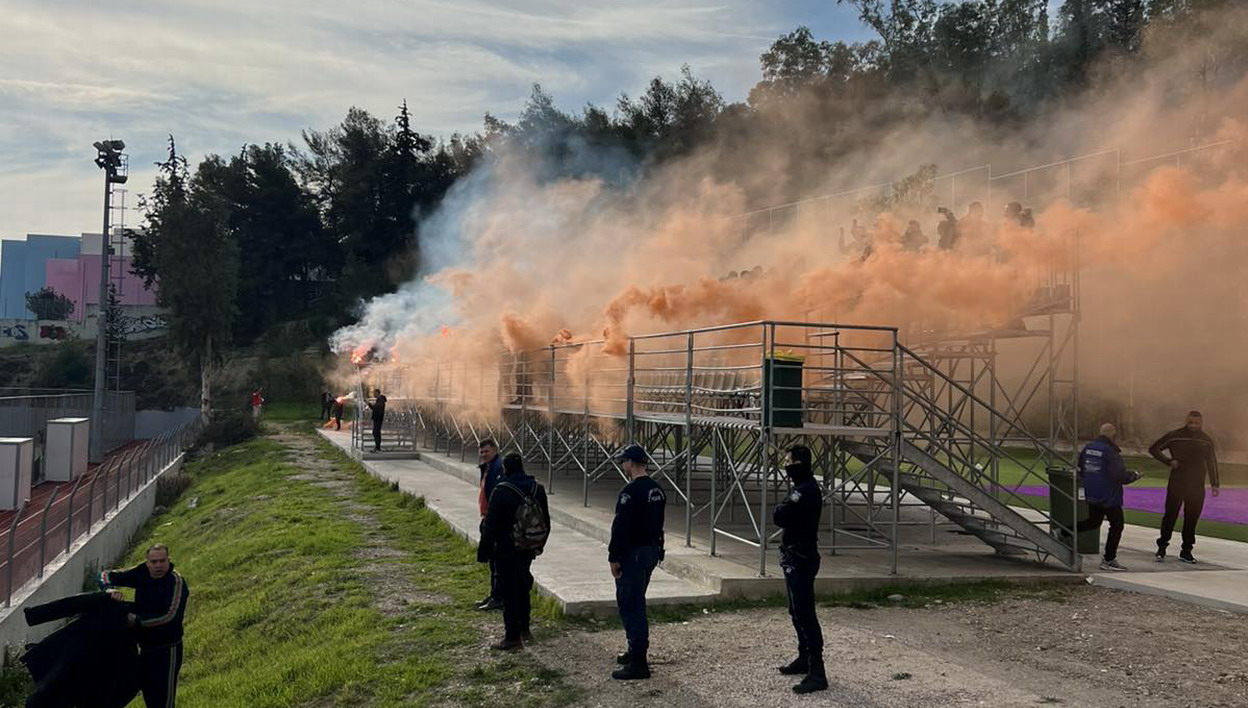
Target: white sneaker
(1112, 565)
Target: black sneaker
(797, 667)
(490, 604)
(526, 637)
(631, 672)
(811, 683)
(1112, 565)
(1186, 557)
(624, 658)
(1160, 556)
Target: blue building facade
(23, 269)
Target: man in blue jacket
(160, 596)
(1104, 473)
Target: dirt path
(1097, 648)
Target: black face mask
(797, 471)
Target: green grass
(292, 411)
(280, 614)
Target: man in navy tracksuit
(498, 546)
(799, 516)
(1103, 473)
(160, 596)
(491, 474)
(635, 549)
(1192, 458)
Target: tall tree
(188, 251)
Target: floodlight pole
(109, 160)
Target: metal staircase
(950, 465)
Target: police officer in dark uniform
(799, 516)
(636, 548)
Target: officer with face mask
(798, 515)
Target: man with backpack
(516, 526)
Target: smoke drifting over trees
(602, 223)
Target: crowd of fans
(970, 233)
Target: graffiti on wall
(140, 326)
(144, 324)
(11, 331)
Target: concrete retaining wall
(64, 575)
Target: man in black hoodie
(799, 516)
(160, 596)
(1191, 459)
(498, 544)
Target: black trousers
(799, 582)
(630, 597)
(1190, 498)
(514, 583)
(160, 675)
(377, 434)
(1098, 513)
(327, 410)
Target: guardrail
(56, 515)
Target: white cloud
(218, 73)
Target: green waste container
(782, 391)
(1062, 483)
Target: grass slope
(281, 613)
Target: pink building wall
(79, 280)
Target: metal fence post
(43, 531)
(689, 460)
(8, 569)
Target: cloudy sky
(220, 73)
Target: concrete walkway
(573, 570)
(1219, 580)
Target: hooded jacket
(1103, 472)
(500, 518)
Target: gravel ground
(1090, 647)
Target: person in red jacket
(256, 402)
(160, 596)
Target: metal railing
(718, 407)
(1082, 178)
(47, 525)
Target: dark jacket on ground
(1195, 453)
(92, 662)
(500, 518)
(159, 605)
(799, 516)
(1103, 472)
(639, 514)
